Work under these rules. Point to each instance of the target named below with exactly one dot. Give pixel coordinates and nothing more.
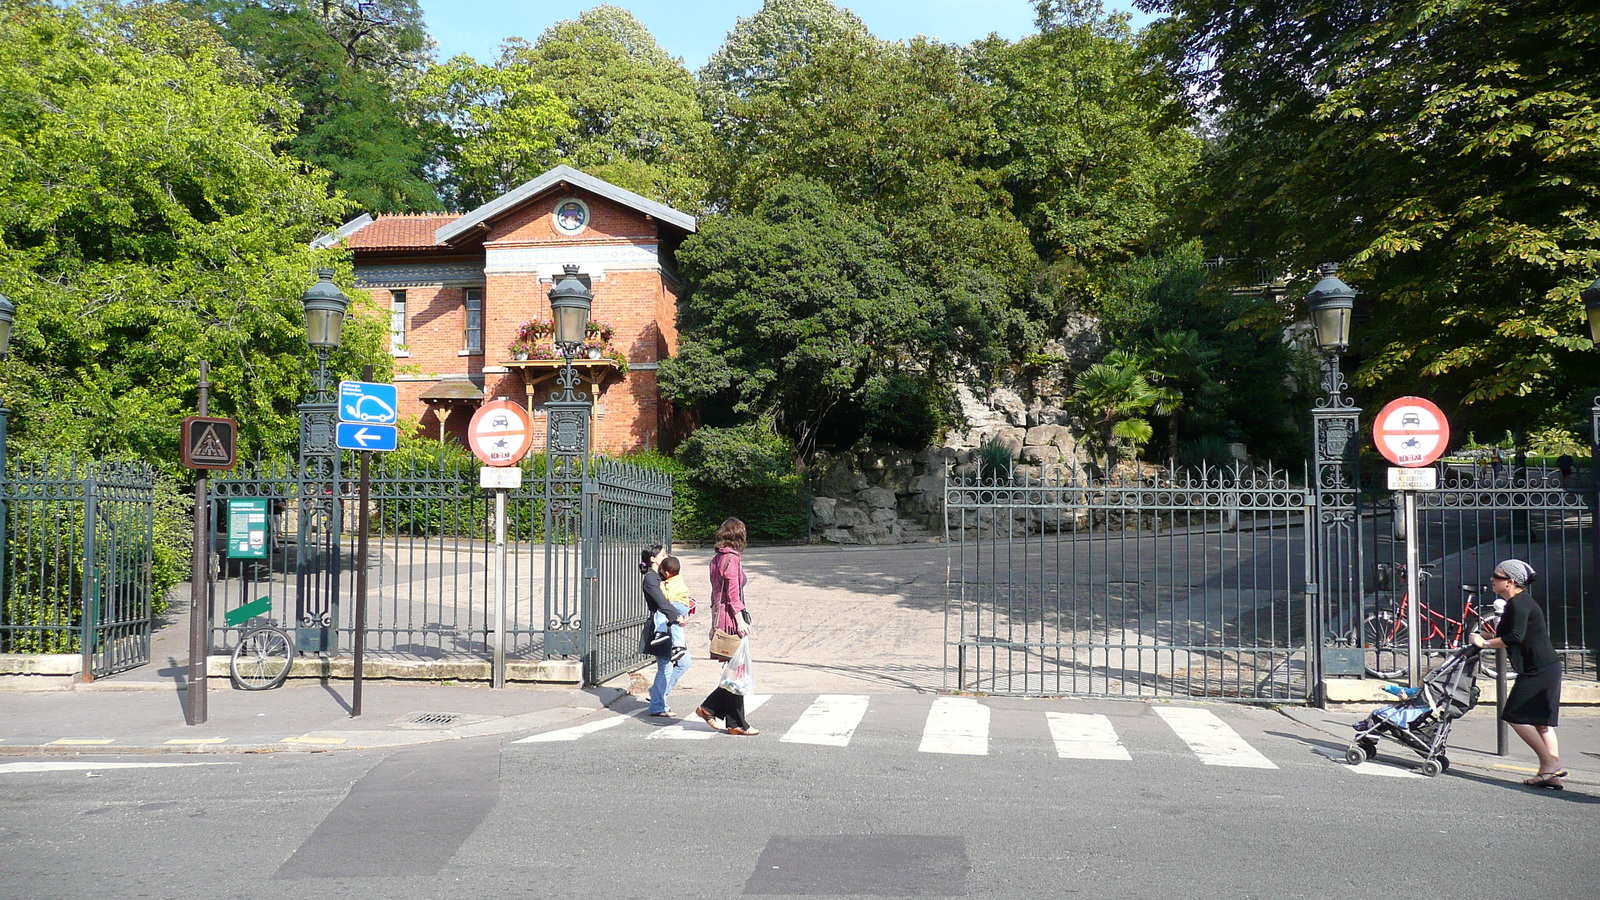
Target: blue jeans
(659, 623)
(667, 675)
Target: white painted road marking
(830, 721)
(956, 725)
(1368, 768)
(575, 732)
(76, 766)
(1211, 739)
(1085, 736)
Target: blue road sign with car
(356, 436)
(368, 403)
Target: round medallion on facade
(571, 215)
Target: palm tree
(1114, 395)
(1179, 365)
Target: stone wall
(885, 495)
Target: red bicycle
(1386, 637)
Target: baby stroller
(1422, 718)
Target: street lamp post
(1336, 423)
(318, 528)
(566, 457)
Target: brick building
(459, 287)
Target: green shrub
(903, 411)
(995, 462)
(744, 471)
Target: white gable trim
(559, 175)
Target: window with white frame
(397, 320)
(472, 300)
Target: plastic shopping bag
(737, 676)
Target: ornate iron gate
(573, 541)
(1193, 586)
(78, 545)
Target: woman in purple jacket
(728, 614)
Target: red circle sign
(1411, 432)
(500, 433)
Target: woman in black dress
(1534, 703)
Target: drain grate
(432, 718)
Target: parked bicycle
(262, 659)
(1385, 635)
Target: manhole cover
(433, 719)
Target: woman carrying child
(728, 615)
(668, 668)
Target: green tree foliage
(1228, 382)
(791, 309)
(347, 72)
(637, 121)
(497, 126)
(760, 52)
(151, 220)
(900, 133)
(1093, 138)
(1113, 396)
(1446, 148)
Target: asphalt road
(1220, 802)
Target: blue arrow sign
(368, 403)
(352, 436)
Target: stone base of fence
(1370, 690)
(60, 671)
(563, 672)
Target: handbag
(724, 643)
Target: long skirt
(727, 706)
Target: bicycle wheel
(261, 661)
(1386, 646)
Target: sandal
(1551, 780)
(665, 714)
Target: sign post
(204, 444)
(1411, 433)
(500, 434)
(367, 415)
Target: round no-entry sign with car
(500, 433)
(1411, 432)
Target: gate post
(318, 530)
(1336, 539)
(566, 446)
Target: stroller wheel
(1444, 763)
(1431, 767)
(1354, 756)
(1370, 748)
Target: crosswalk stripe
(956, 725)
(1085, 736)
(76, 766)
(575, 732)
(1211, 739)
(1368, 768)
(830, 721)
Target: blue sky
(694, 30)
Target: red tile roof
(401, 232)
